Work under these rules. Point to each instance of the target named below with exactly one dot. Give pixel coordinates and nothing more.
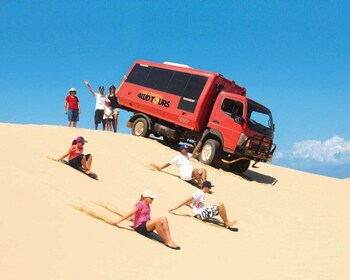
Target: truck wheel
(240, 166)
(210, 153)
(140, 128)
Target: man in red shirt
(71, 106)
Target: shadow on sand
(249, 175)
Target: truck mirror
(239, 120)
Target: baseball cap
(101, 87)
(207, 184)
(72, 89)
(148, 193)
(183, 147)
(81, 139)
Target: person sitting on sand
(76, 158)
(143, 223)
(199, 210)
(185, 168)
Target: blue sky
(292, 56)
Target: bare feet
(172, 246)
(230, 224)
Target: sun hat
(81, 139)
(183, 147)
(148, 193)
(72, 89)
(207, 184)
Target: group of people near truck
(106, 107)
(141, 212)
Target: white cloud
(335, 150)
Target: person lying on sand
(185, 168)
(143, 223)
(76, 158)
(199, 210)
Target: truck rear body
(182, 103)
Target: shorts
(73, 115)
(76, 162)
(188, 175)
(142, 229)
(99, 116)
(115, 111)
(208, 212)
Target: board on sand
(92, 175)
(211, 221)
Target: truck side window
(232, 108)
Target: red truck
(200, 107)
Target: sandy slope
(298, 228)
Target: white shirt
(183, 165)
(198, 202)
(100, 101)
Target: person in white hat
(71, 107)
(143, 223)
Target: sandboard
(211, 221)
(92, 175)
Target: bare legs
(115, 122)
(87, 164)
(70, 124)
(223, 215)
(161, 226)
(200, 175)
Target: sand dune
(56, 222)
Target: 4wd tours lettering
(154, 98)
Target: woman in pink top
(143, 223)
(76, 158)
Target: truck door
(228, 120)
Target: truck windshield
(259, 118)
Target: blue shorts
(142, 229)
(73, 115)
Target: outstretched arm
(164, 166)
(127, 216)
(90, 88)
(65, 155)
(185, 202)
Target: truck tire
(240, 166)
(140, 128)
(210, 153)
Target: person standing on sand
(185, 168)
(76, 158)
(107, 116)
(143, 223)
(112, 96)
(199, 210)
(72, 108)
(100, 102)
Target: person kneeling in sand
(199, 210)
(185, 168)
(143, 223)
(76, 158)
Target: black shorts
(76, 162)
(99, 116)
(142, 229)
